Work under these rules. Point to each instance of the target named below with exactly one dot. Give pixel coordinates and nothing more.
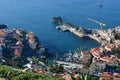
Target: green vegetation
(87, 63)
(85, 76)
(117, 36)
(116, 52)
(55, 68)
(11, 40)
(11, 74)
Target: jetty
(101, 36)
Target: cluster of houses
(97, 58)
(17, 42)
(110, 76)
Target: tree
(55, 68)
(116, 51)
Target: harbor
(96, 60)
(101, 36)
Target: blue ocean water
(35, 15)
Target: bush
(11, 74)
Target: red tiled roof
(117, 41)
(67, 77)
(95, 50)
(116, 78)
(109, 59)
(108, 74)
(86, 52)
(41, 71)
(116, 75)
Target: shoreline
(96, 58)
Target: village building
(32, 43)
(110, 76)
(17, 52)
(86, 56)
(110, 60)
(106, 76)
(96, 52)
(109, 47)
(117, 29)
(30, 35)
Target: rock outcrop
(57, 20)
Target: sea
(36, 16)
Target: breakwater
(101, 36)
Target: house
(109, 47)
(110, 60)
(117, 42)
(32, 43)
(17, 52)
(16, 36)
(85, 56)
(38, 70)
(117, 29)
(95, 59)
(106, 76)
(19, 43)
(3, 32)
(66, 77)
(76, 76)
(110, 76)
(30, 35)
(116, 76)
(18, 31)
(96, 51)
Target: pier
(101, 36)
(81, 32)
